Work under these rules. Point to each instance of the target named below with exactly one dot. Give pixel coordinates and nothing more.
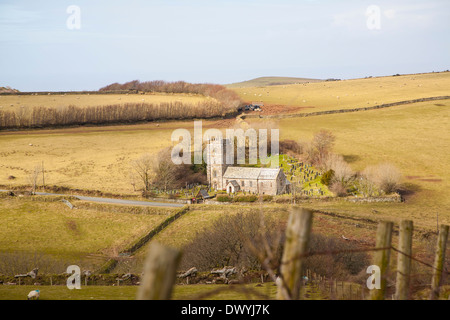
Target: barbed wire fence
(294, 282)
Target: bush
(385, 176)
(233, 240)
(327, 176)
(224, 198)
(244, 240)
(287, 146)
(341, 170)
(339, 265)
(248, 198)
(338, 189)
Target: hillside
(270, 81)
(346, 94)
(8, 90)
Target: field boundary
(133, 247)
(319, 113)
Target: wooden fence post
(381, 257)
(297, 238)
(439, 262)
(404, 260)
(335, 288)
(159, 273)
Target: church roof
(204, 194)
(251, 173)
(234, 184)
(269, 174)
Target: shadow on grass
(409, 190)
(350, 158)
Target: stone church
(222, 176)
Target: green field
(52, 229)
(181, 292)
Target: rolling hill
(270, 81)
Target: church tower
(216, 153)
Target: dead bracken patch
(424, 178)
(72, 225)
(271, 109)
(431, 180)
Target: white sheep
(33, 295)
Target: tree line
(224, 102)
(228, 98)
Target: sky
(85, 45)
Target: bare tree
(34, 177)
(142, 168)
(323, 143)
(165, 170)
(21, 115)
(158, 171)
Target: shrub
(287, 146)
(341, 170)
(385, 176)
(224, 198)
(247, 198)
(244, 240)
(231, 241)
(338, 189)
(339, 265)
(327, 176)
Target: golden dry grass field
(348, 94)
(27, 102)
(93, 158)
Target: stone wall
(381, 106)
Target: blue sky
(216, 41)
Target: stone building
(222, 176)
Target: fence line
(289, 282)
(131, 249)
(320, 113)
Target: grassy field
(270, 81)
(94, 158)
(181, 292)
(412, 137)
(70, 236)
(16, 102)
(129, 292)
(345, 94)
